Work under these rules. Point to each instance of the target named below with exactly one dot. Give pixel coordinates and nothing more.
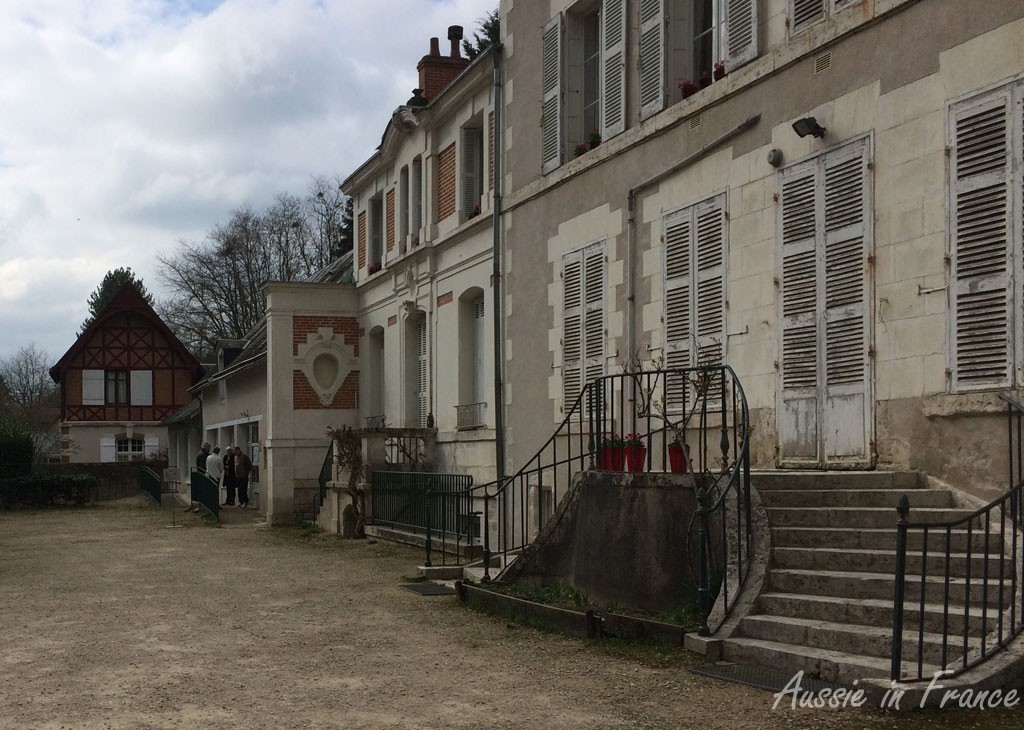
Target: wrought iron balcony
(469, 416)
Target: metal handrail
(1000, 606)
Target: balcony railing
(469, 416)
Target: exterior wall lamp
(808, 126)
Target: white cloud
(129, 125)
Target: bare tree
(30, 397)
(217, 283)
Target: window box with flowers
(594, 138)
(374, 268)
(688, 88)
(580, 149)
(636, 453)
(719, 71)
(611, 453)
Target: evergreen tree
(111, 283)
(488, 35)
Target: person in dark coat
(243, 467)
(203, 455)
(230, 480)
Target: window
(473, 379)
(986, 241)
(376, 405)
(590, 74)
(804, 13)
(696, 249)
(472, 170)
(421, 373)
(583, 330)
(376, 233)
(116, 387)
(403, 209)
(129, 449)
(417, 199)
(362, 238)
(389, 220)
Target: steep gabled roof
(126, 299)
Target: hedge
(17, 451)
(41, 490)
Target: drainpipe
(499, 359)
(631, 219)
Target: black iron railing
(960, 599)
(680, 419)
(150, 483)
(438, 506)
(206, 492)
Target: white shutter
(479, 347)
(798, 407)
(551, 88)
(678, 304)
(613, 67)
(846, 327)
(593, 315)
(709, 246)
(980, 221)
(805, 12)
(572, 328)
(652, 57)
(421, 373)
(471, 143)
(92, 388)
(740, 32)
(152, 447)
(108, 450)
(142, 387)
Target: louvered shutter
(551, 87)
(417, 197)
(652, 57)
(92, 388)
(840, 4)
(479, 347)
(678, 304)
(981, 212)
(845, 326)
(421, 373)
(798, 407)
(593, 314)
(709, 246)
(805, 12)
(740, 32)
(471, 142)
(572, 328)
(613, 67)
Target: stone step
(855, 584)
(856, 516)
(874, 612)
(769, 480)
(884, 561)
(827, 664)
(880, 538)
(854, 498)
(875, 641)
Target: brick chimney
(437, 71)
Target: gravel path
(110, 620)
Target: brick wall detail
(392, 320)
(446, 182)
(304, 325)
(304, 398)
(445, 298)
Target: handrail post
(703, 590)
(487, 536)
(902, 526)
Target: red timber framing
(127, 337)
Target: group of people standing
(230, 471)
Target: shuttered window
(613, 66)
(804, 13)
(92, 388)
(695, 254)
(472, 170)
(985, 239)
(740, 32)
(551, 88)
(652, 58)
(422, 407)
(583, 320)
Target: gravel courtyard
(110, 620)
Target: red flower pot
(636, 458)
(678, 459)
(610, 458)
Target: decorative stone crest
(326, 361)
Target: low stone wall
(116, 480)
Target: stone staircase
(826, 603)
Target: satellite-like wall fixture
(808, 126)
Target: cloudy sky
(128, 125)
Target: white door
(825, 408)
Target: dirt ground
(108, 619)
